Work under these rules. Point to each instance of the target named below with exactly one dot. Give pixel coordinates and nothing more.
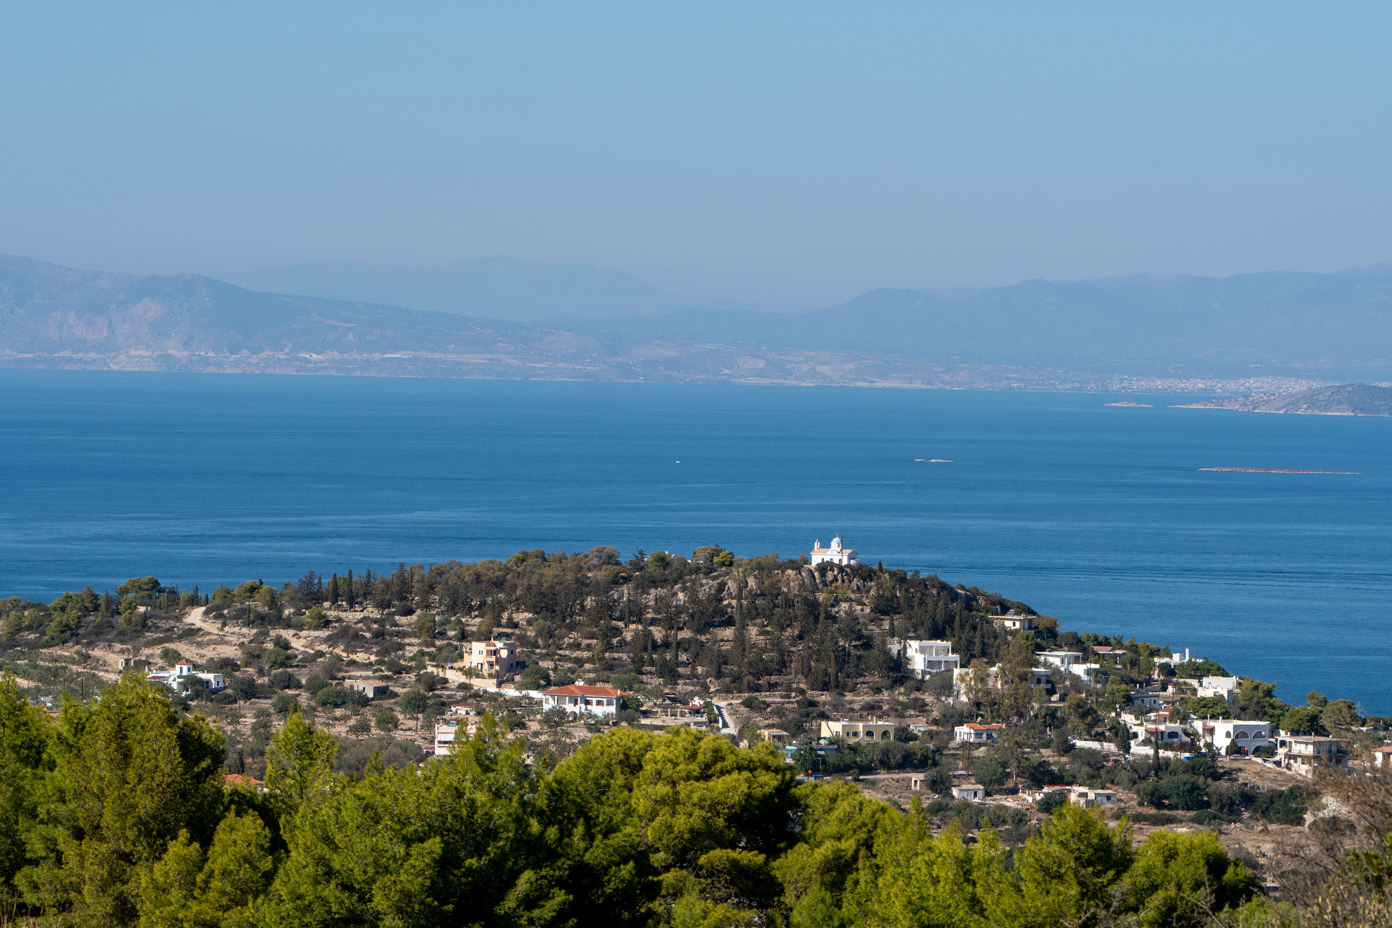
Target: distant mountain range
(497, 288)
(568, 322)
(1320, 326)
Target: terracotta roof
(237, 779)
(574, 690)
(977, 726)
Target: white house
(183, 675)
(976, 733)
(446, 733)
(1069, 662)
(1224, 688)
(1246, 735)
(1087, 797)
(1164, 733)
(578, 698)
(836, 554)
(971, 792)
(1063, 660)
(1382, 757)
(928, 657)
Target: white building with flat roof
(1070, 662)
(928, 657)
(1246, 735)
(1224, 688)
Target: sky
(799, 153)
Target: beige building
(372, 689)
(858, 732)
(1304, 754)
(494, 659)
(1014, 622)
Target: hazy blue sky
(771, 151)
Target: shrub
(284, 703)
(283, 680)
(242, 686)
(1052, 800)
(1283, 806)
(332, 697)
(1209, 817)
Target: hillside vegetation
(117, 812)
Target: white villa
(1246, 735)
(578, 698)
(1069, 662)
(976, 733)
(1162, 733)
(1224, 688)
(926, 657)
(836, 554)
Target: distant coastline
(1278, 470)
(1348, 399)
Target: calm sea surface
(1098, 515)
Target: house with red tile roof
(578, 698)
(976, 733)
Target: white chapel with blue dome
(835, 554)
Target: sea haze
(1099, 515)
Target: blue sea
(1096, 514)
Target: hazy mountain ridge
(1040, 334)
(1328, 326)
(498, 288)
(52, 316)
